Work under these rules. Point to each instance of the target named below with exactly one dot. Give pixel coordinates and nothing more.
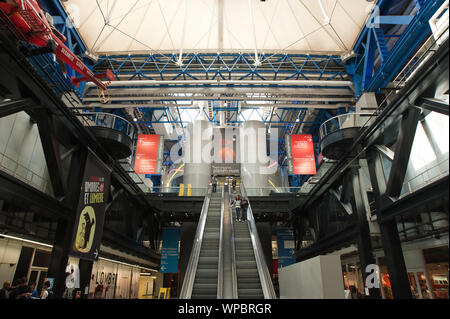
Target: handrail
(189, 278)
(220, 263)
(233, 251)
(263, 271)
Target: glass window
(41, 258)
(422, 153)
(23, 265)
(439, 127)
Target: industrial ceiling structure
(292, 64)
(169, 26)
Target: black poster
(88, 230)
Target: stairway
(205, 283)
(248, 281)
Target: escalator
(248, 282)
(253, 277)
(206, 277)
(203, 272)
(227, 260)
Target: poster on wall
(147, 154)
(169, 252)
(303, 159)
(88, 230)
(286, 247)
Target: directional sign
(169, 252)
(286, 247)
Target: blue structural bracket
(63, 24)
(375, 65)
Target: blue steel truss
(382, 50)
(224, 66)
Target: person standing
(244, 207)
(4, 292)
(21, 290)
(214, 184)
(237, 206)
(34, 293)
(44, 292)
(233, 184)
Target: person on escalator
(233, 184)
(214, 184)
(236, 203)
(244, 207)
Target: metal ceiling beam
(434, 105)
(223, 90)
(248, 107)
(137, 83)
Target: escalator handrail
(263, 271)
(220, 262)
(189, 278)
(233, 251)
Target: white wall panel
(21, 153)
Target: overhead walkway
(227, 261)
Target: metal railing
(233, 250)
(182, 192)
(108, 120)
(189, 278)
(344, 121)
(425, 177)
(221, 262)
(263, 271)
(25, 174)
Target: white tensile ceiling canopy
(194, 26)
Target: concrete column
(252, 169)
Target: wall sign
(88, 229)
(147, 151)
(286, 247)
(303, 158)
(169, 252)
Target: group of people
(214, 184)
(240, 203)
(20, 290)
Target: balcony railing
(108, 120)
(344, 121)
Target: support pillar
(85, 267)
(64, 230)
(365, 250)
(393, 252)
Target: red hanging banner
(146, 154)
(303, 154)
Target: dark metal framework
(65, 144)
(395, 126)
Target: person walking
(244, 207)
(236, 203)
